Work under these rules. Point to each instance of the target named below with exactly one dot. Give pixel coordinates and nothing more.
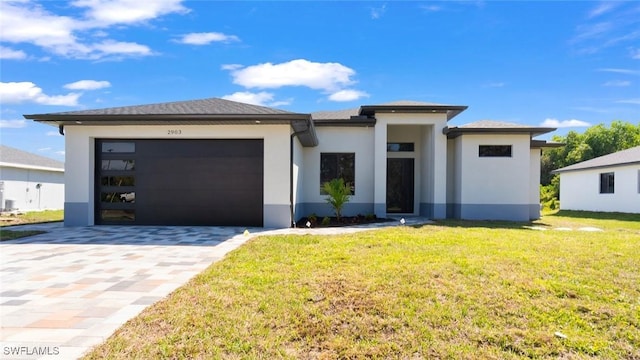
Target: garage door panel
(199, 182)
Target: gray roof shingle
(18, 157)
(629, 156)
(211, 106)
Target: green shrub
(326, 221)
(338, 194)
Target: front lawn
(456, 289)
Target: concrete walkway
(68, 290)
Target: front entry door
(400, 185)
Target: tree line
(596, 141)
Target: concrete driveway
(69, 289)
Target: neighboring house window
(606, 183)
(494, 151)
(336, 166)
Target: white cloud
(17, 92)
(45, 149)
(617, 83)
(102, 13)
(87, 85)
(61, 152)
(53, 133)
(621, 71)
(564, 123)
(431, 8)
(231, 66)
(207, 38)
(261, 98)
(495, 84)
(377, 13)
(602, 8)
(32, 23)
(10, 54)
(635, 54)
(347, 95)
(110, 47)
(629, 101)
(330, 77)
(12, 124)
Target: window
(338, 166)
(494, 151)
(606, 183)
(400, 147)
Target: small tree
(338, 194)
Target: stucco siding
(356, 140)
(31, 189)
(80, 158)
(534, 184)
(580, 190)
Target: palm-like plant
(338, 194)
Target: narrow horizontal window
(118, 147)
(400, 147)
(118, 165)
(118, 181)
(118, 215)
(607, 183)
(494, 151)
(118, 197)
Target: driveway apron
(69, 289)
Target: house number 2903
(174, 132)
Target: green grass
(17, 234)
(32, 217)
(456, 289)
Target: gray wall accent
(380, 210)
(534, 211)
(324, 209)
(276, 216)
(434, 211)
(508, 212)
(76, 214)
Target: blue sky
(564, 64)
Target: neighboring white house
(219, 162)
(609, 183)
(29, 181)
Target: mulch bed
(333, 221)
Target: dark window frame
(607, 183)
(333, 165)
(401, 147)
(495, 151)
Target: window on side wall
(338, 166)
(494, 151)
(606, 183)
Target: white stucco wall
(495, 180)
(431, 158)
(80, 140)
(21, 185)
(358, 140)
(534, 182)
(580, 190)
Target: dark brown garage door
(179, 182)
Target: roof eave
(454, 132)
(451, 110)
(565, 169)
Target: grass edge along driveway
(456, 289)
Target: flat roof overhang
(450, 110)
(454, 132)
(301, 123)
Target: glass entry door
(400, 185)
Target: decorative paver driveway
(69, 289)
